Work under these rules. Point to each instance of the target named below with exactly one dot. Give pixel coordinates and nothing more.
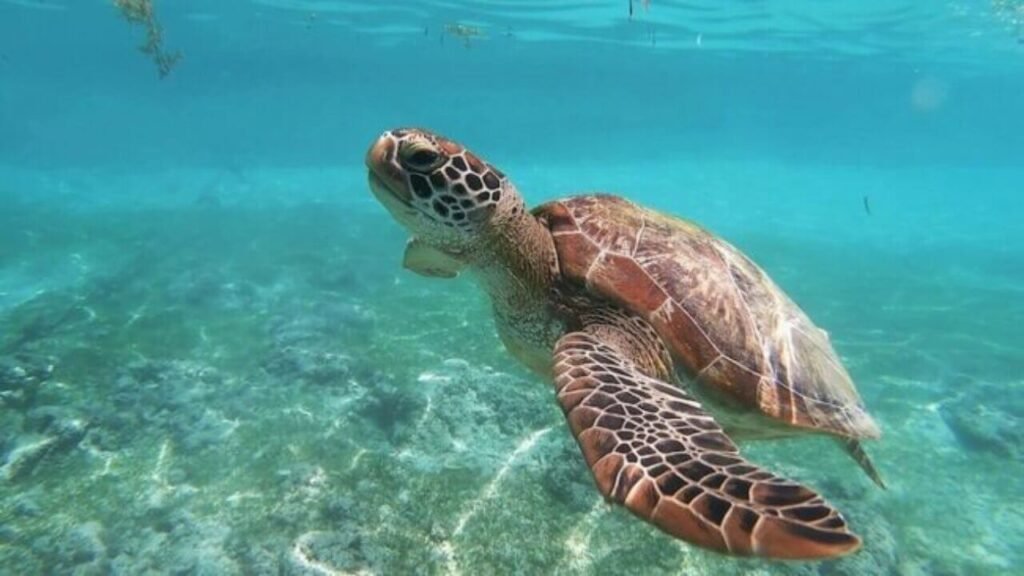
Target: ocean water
(212, 362)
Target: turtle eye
(419, 157)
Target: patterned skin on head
(440, 191)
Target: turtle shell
(726, 323)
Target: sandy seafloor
(230, 374)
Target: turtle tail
(856, 451)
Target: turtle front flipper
(653, 448)
(426, 260)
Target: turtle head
(442, 193)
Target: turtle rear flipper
(653, 448)
(855, 449)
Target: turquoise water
(212, 362)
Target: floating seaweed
(645, 3)
(463, 32)
(143, 13)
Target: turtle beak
(384, 173)
(381, 152)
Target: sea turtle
(662, 340)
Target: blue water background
(772, 123)
(307, 86)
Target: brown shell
(727, 324)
